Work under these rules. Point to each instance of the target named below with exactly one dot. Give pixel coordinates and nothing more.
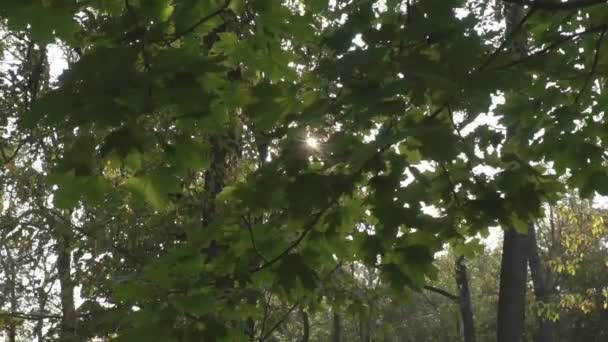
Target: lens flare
(312, 143)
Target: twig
(507, 40)
(441, 292)
(551, 5)
(266, 314)
(279, 322)
(296, 242)
(598, 46)
(201, 21)
(252, 238)
(557, 43)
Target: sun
(312, 143)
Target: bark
(336, 330)
(513, 269)
(69, 319)
(364, 327)
(10, 275)
(464, 300)
(305, 326)
(38, 329)
(12, 327)
(512, 289)
(546, 330)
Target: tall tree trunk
(364, 327)
(513, 268)
(336, 330)
(512, 289)
(42, 299)
(464, 300)
(69, 319)
(12, 326)
(10, 273)
(546, 329)
(305, 326)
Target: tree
(207, 168)
(464, 300)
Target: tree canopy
(197, 159)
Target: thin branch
(266, 314)
(201, 21)
(507, 40)
(596, 56)
(252, 238)
(441, 292)
(551, 5)
(279, 322)
(555, 44)
(33, 317)
(296, 242)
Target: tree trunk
(38, 329)
(69, 319)
(305, 326)
(546, 329)
(513, 268)
(336, 331)
(464, 300)
(512, 290)
(10, 273)
(364, 328)
(12, 326)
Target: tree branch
(562, 40)
(550, 5)
(596, 56)
(508, 39)
(441, 292)
(252, 238)
(199, 23)
(32, 317)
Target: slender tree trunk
(42, 299)
(336, 330)
(513, 271)
(464, 300)
(69, 319)
(512, 289)
(305, 326)
(12, 327)
(546, 329)
(364, 328)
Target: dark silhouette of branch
(296, 242)
(441, 292)
(507, 40)
(551, 5)
(33, 316)
(279, 322)
(201, 21)
(252, 238)
(596, 56)
(554, 45)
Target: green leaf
(154, 188)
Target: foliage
(173, 173)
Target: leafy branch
(563, 40)
(315, 219)
(507, 40)
(550, 5)
(201, 21)
(596, 56)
